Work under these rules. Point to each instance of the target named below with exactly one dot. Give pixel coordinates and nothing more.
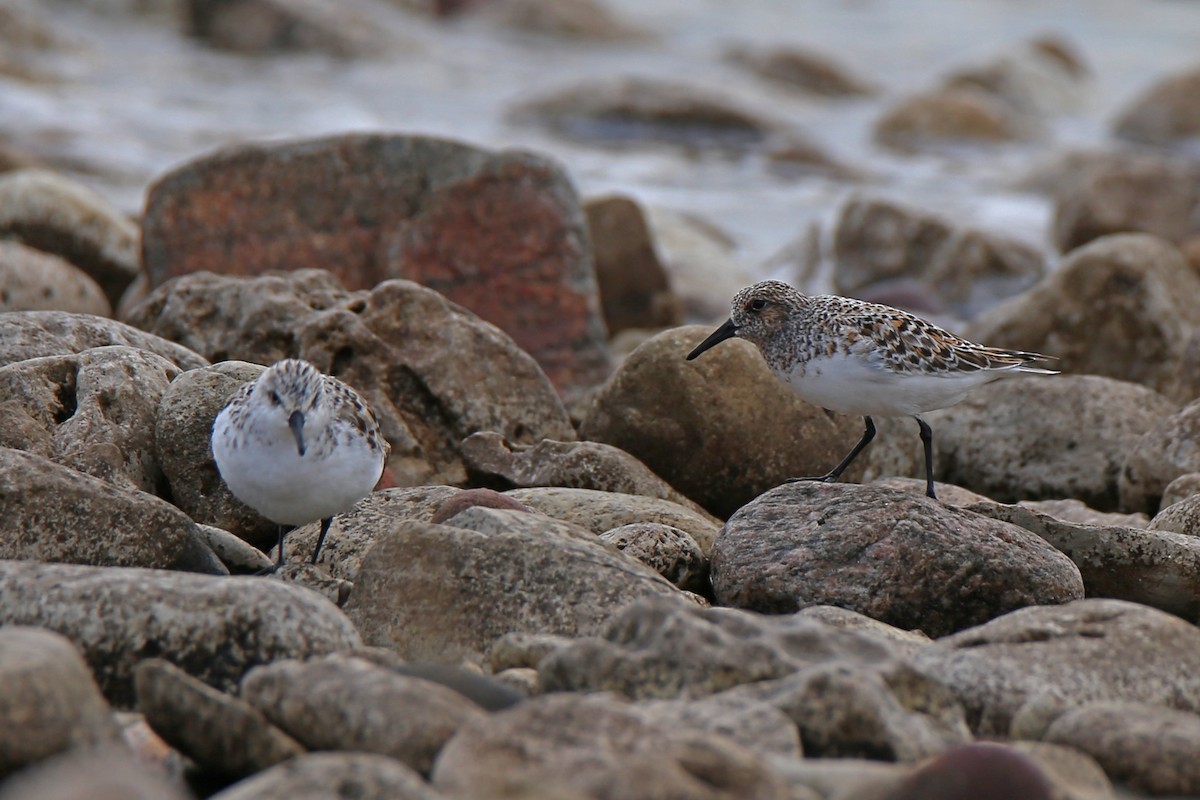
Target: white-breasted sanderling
(863, 358)
(298, 446)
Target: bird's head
(756, 314)
(290, 393)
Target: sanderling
(863, 358)
(298, 446)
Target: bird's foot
(830, 478)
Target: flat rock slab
(214, 628)
(908, 561)
(33, 334)
(502, 233)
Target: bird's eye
(758, 304)
(276, 399)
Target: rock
(312, 577)
(803, 70)
(320, 776)
(599, 512)
(900, 559)
(1077, 512)
(221, 733)
(1116, 307)
(1086, 651)
(484, 691)
(51, 213)
(354, 532)
(844, 618)
(948, 118)
(661, 648)
(575, 465)
(1156, 568)
(623, 110)
(1127, 193)
(635, 290)
(392, 344)
(394, 206)
(182, 431)
(1148, 748)
(1039, 78)
(668, 551)
(344, 703)
(50, 701)
(1073, 775)
(840, 778)
(1029, 438)
(114, 774)
(976, 771)
(586, 20)
(1165, 452)
(749, 722)
(1181, 517)
(1181, 488)
(34, 334)
(463, 499)
(498, 521)
(596, 747)
(49, 512)
(444, 594)
(31, 280)
(1166, 114)
(721, 429)
(93, 411)
(257, 27)
(878, 241)
(214, 628)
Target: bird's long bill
(726, 331)
(296, 423)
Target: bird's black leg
(927, 440)
(279, 556)
(321, 539)
(836, 472)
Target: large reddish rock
(501, 233)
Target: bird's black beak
(296, 423)
(726, 331)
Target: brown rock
(31, 280)
(1166, 114)
(746, 720)
(221, 733)
(576, 465)
(721, 429)
(1037, 78)
(51, 213)
(34, 334)
(667, 550)
(321, 776)
(432, 372)
(253, 27)
(500, 233)
(878, 241)
(586, 20)
(978, 771)
(1086, 651)
(1162, 454)
(596, 747)
(1118, 307)
(1081, 514)
(947, 118)
(900, 559)
(635, 291)
(469, 498)
(806, 71)
(112, 774)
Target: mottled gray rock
(721, 429)
(49, 512)
(1028, 438)
(220, 732)
(584, 746)
(602, 511)
(52, 213)
(95, 409)
(1162, 454)
(838, 778)
(846, 619)
(1086, 651)
(1181, 488)
(182, 430)
(392, 344)
(748, 721)
(1118, 307)
(31, 280)
(440, 593)
(114, 774)
(908, 561)
(661, 648)
(213, 628)
(492, 461)
(320, 776)
(238, 557)
(483, 690)
(668, 551)
(34, 334)
(499, 521)
(1149, 748)
(1079, 513)
(49, 702)
(1072, 774)
(1181, 517)
(340, 702)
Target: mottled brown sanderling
(298, 446)
(863, 358)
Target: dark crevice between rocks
(433, 428)
(68, 402)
